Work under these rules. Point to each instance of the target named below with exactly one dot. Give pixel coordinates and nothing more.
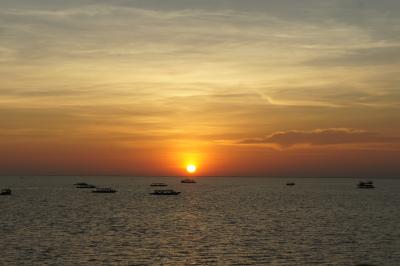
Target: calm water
(218, 221)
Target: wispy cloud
(375, 56)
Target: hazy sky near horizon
(275, 88)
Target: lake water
(218, 221)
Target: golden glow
(230, 94)
(191, 168)
(189, 160)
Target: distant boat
(290, 184)
(5, 191)
(80, 184)
(368, 184)
(158, 185)
(165, 192)
(104, 190)
(85, 186)
(188, 181)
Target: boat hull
(188, 181)
(85, 187)
(5, 192)
(165, 194)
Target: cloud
(330, 136)
(365, 56)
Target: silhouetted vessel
(5, 192)
(368, 184)
(290, 184)
(188, 181)
(80, 184)
(84, 185)
(104, 190)
(165, 192)
(158, 185)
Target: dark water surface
(218, 221)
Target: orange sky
(243, 88)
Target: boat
(290, 184)
(158, 185)
(165, 192)
(80, 184)
(104, 190)
(5, 191)
(368, 184)
(85, 186)
(188, 181)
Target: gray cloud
(119, 26)
(330, 136)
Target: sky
(240, 88)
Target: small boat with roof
(84, 185)
(368, 184)
(158, 185)
(290, 183)
(165, 192)
(5, 192)
(80, 183)
(188, 181)
(104, 190)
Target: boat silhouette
(5, 192)
(165, 192)
(188, 181)
(86, 186)
(368, 184)
(104, 190)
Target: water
(218, 221)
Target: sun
(191, 168)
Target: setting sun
(191, 168)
